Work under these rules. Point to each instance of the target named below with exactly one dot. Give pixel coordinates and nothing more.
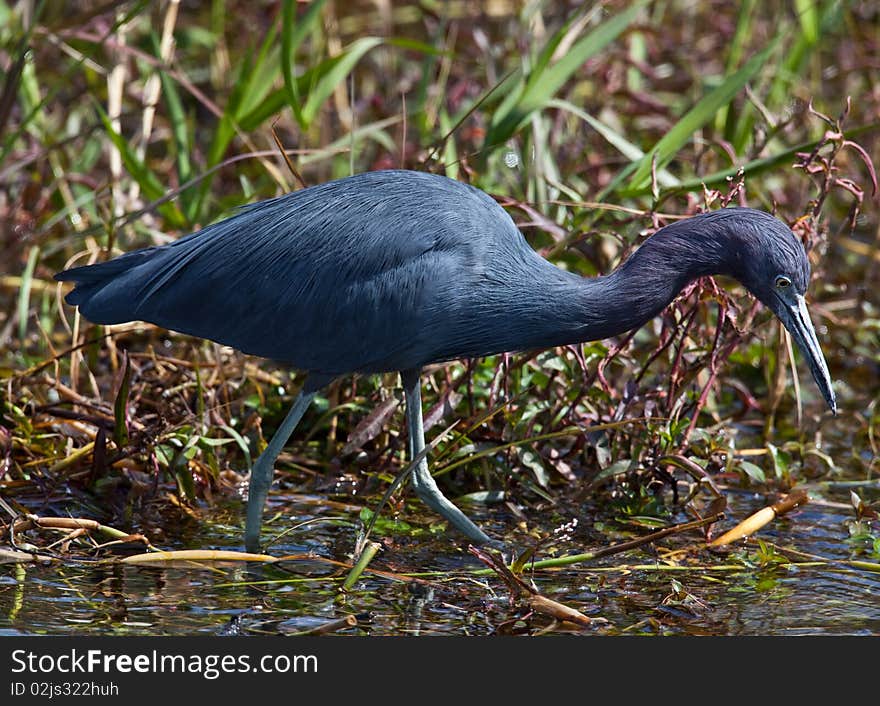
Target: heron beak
(795, 317)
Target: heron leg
(423, 482)
(264, 469)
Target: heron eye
(782, 282)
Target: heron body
(392, 270)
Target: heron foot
(427, 490)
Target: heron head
(773, 266)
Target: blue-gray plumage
(393, 270)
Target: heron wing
(359, 274)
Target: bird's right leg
(264, 468)
(423, 482)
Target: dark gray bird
(392, 270)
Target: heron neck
(589, 309)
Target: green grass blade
(727, 116)
(615, 139)
(150, 184)
(259, 80)
(13, 87)
(425, 119)
(795, 60)
(373, 131)
(513, 96)
(226, 126)
(178, 123)
(179, 133)
(334, 72)
(790, 69)
(546, 54)
(513, 79)
(757, 166)
(698, 116)
(450, 151)
(319, 82)
(416, 46)
(271, 105)
(808, 16)
(543, 84)
(292, 35)
(9, 89)
(252, 85)
(24, 293)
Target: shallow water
(634, 592)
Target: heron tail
(97, 291)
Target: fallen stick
(763, 517)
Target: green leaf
(481, 497)
(615, 469)
(185, 483)
(450, 150)
(756, 473)
(779, 461)
(698, 116)
(532, 460)
(241, 441)
(386, 526)
(647, 521)
(180, 464)
(208, 442)
(120, 407)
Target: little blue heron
(392, 270)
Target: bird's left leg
(423, 481)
